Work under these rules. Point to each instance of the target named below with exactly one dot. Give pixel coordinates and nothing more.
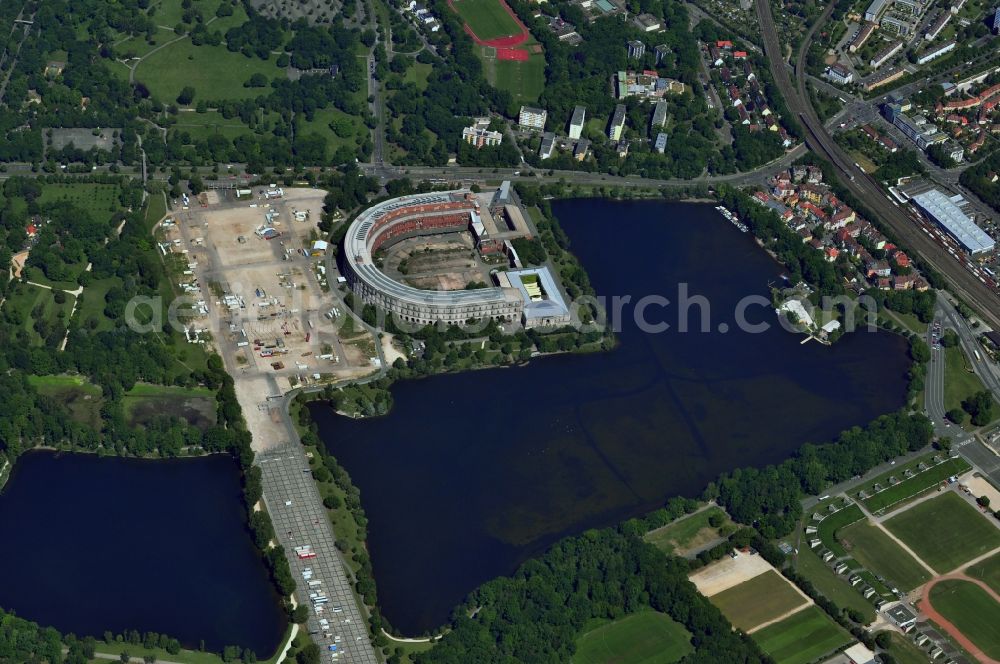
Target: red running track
(954, 632)
(500, 42)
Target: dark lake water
(471, 474)
(92, 544)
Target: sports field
(758, 600)
(876, 551)
(802, 637)
(647, 637)
(487, 18)
(829, 527)
(970, 608)
(945, 531)
(987, 571)
(525, 80)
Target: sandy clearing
(980, 487)
(728, 573)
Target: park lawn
(321, 124)
(29, 300)
(802, 637)
(647, 637)
(959, 382)
(970, 608)
(34, 274)
(208, 124)
(487, 18)
(81, 397)
(832, 586)
(687, 532)
(920, 483)
(757, 600)
(945, 531)
(156, 209)
(214, 72)
(524, 80)
(139, 47)
(417, 74)
(101, 201)
(90, 313)
(879, 553)
(182, 657)
(831, 525)
(987, 571)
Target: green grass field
(80, 397)
(972, 611)
(834, 587)
(524, 80)
(945, 531)
(417, 74)
(25, 303)
(959, 382)
(327, 122)
(689, 531)
(831, 525)
(802, 637)
(919, 484)
(754, 602)
(987, 571)
(90, 314)
(876, 551)
(905, 651)
(487, 18)
(213, 71)
(99, 200)
(647, 637)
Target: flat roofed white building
(943, 211)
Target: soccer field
(945, 531)
(487, 18)
(876, 551)
(969, 608)
(802, 637)
(754, 602)
(647, 637)
(524, 80)
(988, 572)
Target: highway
(961, 281)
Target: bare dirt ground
(728, 573)
(980, 487)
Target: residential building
(938, 25)
(839, 74)
(479, 134)
(913, 7)
(647, 84)
(647, 23)
(581, 150)
(660, 145)
(576, 121)
(662, 51)
(860, 37)
(996, 21)
(532, 118)
(886, 54)
(617, 124)
(956, 6)
(937, 52)
(548, 145)
(659, 115)
(636, 49)
(880, 78)
(875, 10)
(895, 25)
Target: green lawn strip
(970, 608)
(101, 201)
(987, 571)
(905, 651)
(407, 649)
(200, 126)
(525, 80)
(646, 637)
(182, 657)
(757, 600)
(90, 312)
(959, 382)
(945, 531)
(880, 554)
(417, 73)
(803, 637)
(828, 527)
(487, 18)
(682, 532)
(898, 471)
(832, 586)
(916, 485)
(214, 72)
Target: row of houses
(746, 95)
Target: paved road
(286, 478)
(961, 281)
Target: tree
(308, 655)
(956, 415)
(980, 407)
(186, 96)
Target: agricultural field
(831, 525)
(758, 600)
(969, 608)
(945, 531)
(488, 18)
(987, 571)
(214, 72)
(647, 637)
(802, 637)
(101, 201)
(833, 586)
(81, 398)
(690, 532)
(879, 553)
(920, 483)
